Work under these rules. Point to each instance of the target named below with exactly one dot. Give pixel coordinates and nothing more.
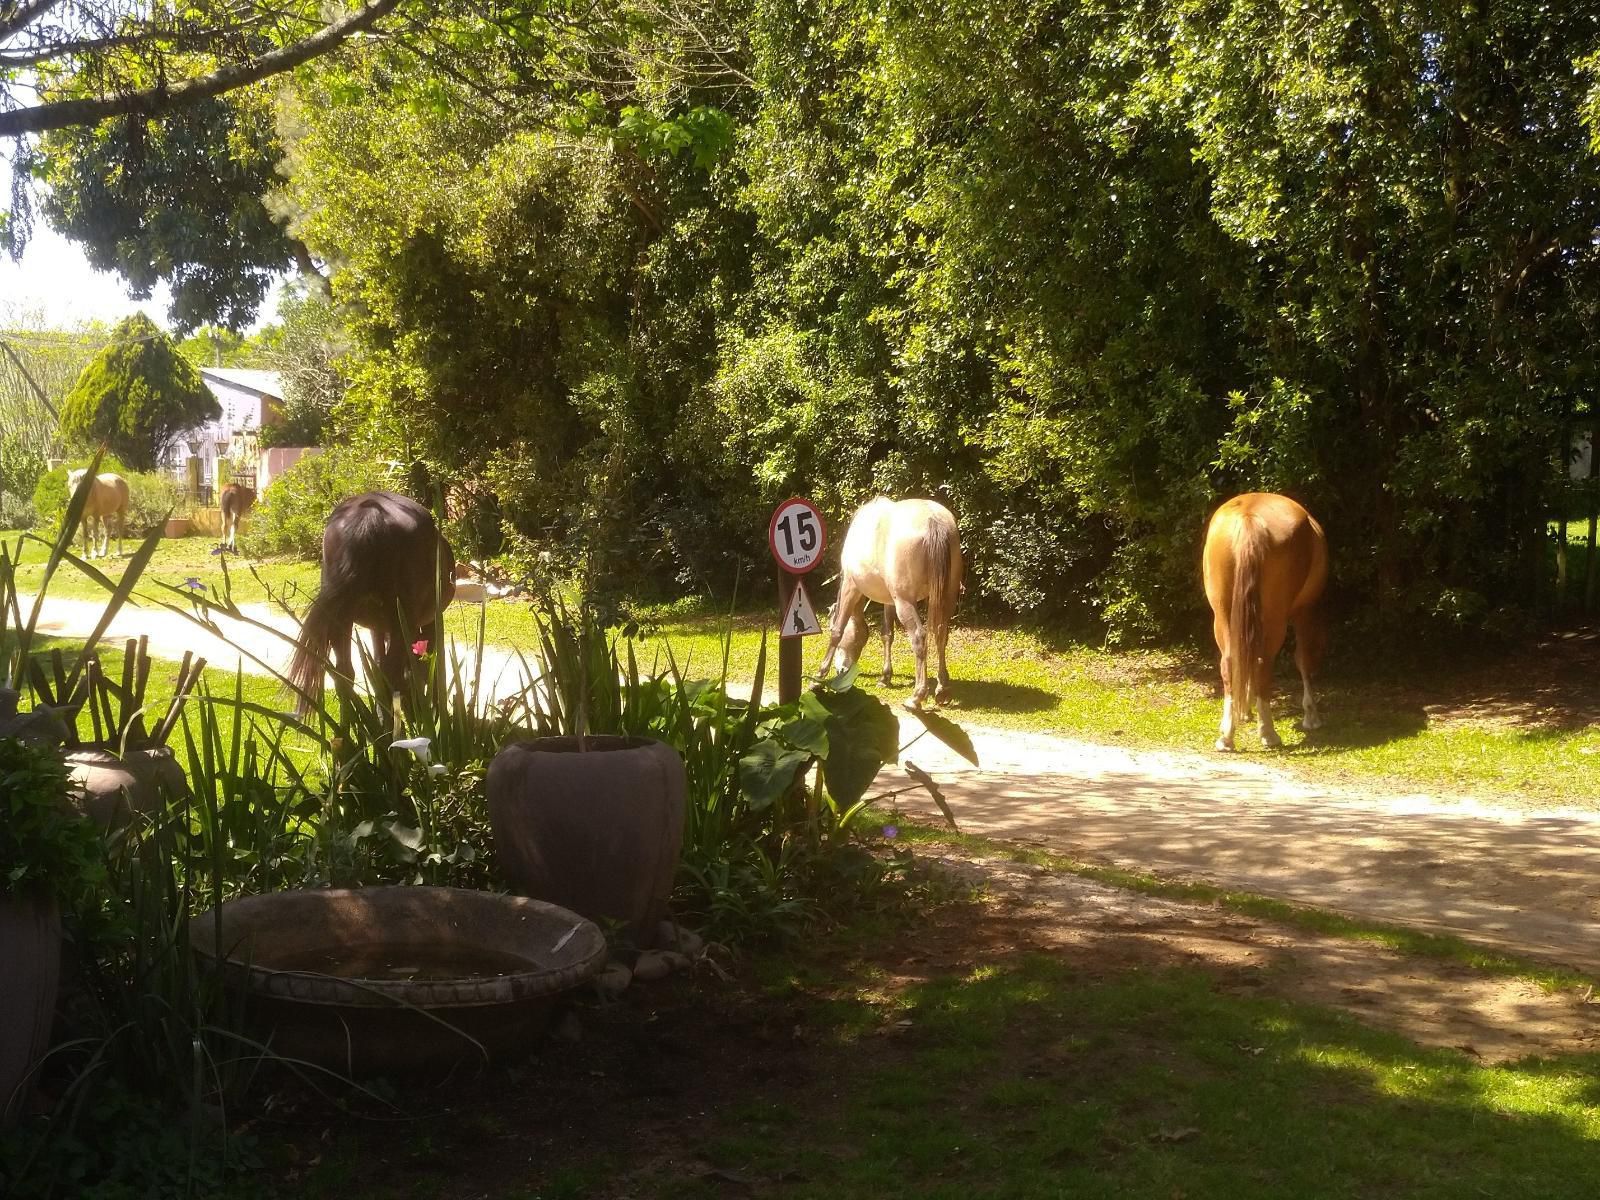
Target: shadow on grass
(1351, 728)
(996, 696)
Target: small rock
(676, 961)
(676, 937)
(651, 965)
(613, 980)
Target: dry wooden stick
(92, 673)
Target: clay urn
(595, 827)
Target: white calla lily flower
(417, 745)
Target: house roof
(263, 383)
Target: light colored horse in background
(1265, 565)
(235, 501)
(898, 552)
(108, 498)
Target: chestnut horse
(898, 552)
(1265, 565)
(235, 501)
(385, 566)
(107, 499)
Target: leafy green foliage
(176, 200)
(615, 284)
(136, 395)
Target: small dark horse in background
(385, 566)
(235, 501)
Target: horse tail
(309, 664)
(1245, 635)
(944, 560)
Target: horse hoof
(913, 703)
(1272, 741)
(1225, 744)
(1310, 721)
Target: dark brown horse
(385, 566)
(235, 501)
(1265, 565)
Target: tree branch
(152, 102)
(14, 17)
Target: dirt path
(259, 651)
(1529, 881)
(1434, 1003)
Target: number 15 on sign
(797, 536)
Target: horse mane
(1245, 634)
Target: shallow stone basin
(398, 980)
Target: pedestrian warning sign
(799, 618)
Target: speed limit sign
(797, 535)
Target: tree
(179, 200)
(137, 394)
(90, 60)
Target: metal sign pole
(797, 536)
(791, 650)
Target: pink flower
(419, 647)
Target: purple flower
(891, 831)
(193, 584)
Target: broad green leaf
(948, 732)
(768, 771)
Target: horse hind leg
(1263, 688)
(939, 622)
(888, 645)
(906, 610)
(1310, 640)
(1229, 723)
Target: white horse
(108, 498)
(898, 552)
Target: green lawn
(175, 560)
(1378, 732)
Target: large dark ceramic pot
(596, 829)
(30, 967)
(114, 787)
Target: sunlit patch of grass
(1147, 699)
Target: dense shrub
(290, 516)
(16, 512)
